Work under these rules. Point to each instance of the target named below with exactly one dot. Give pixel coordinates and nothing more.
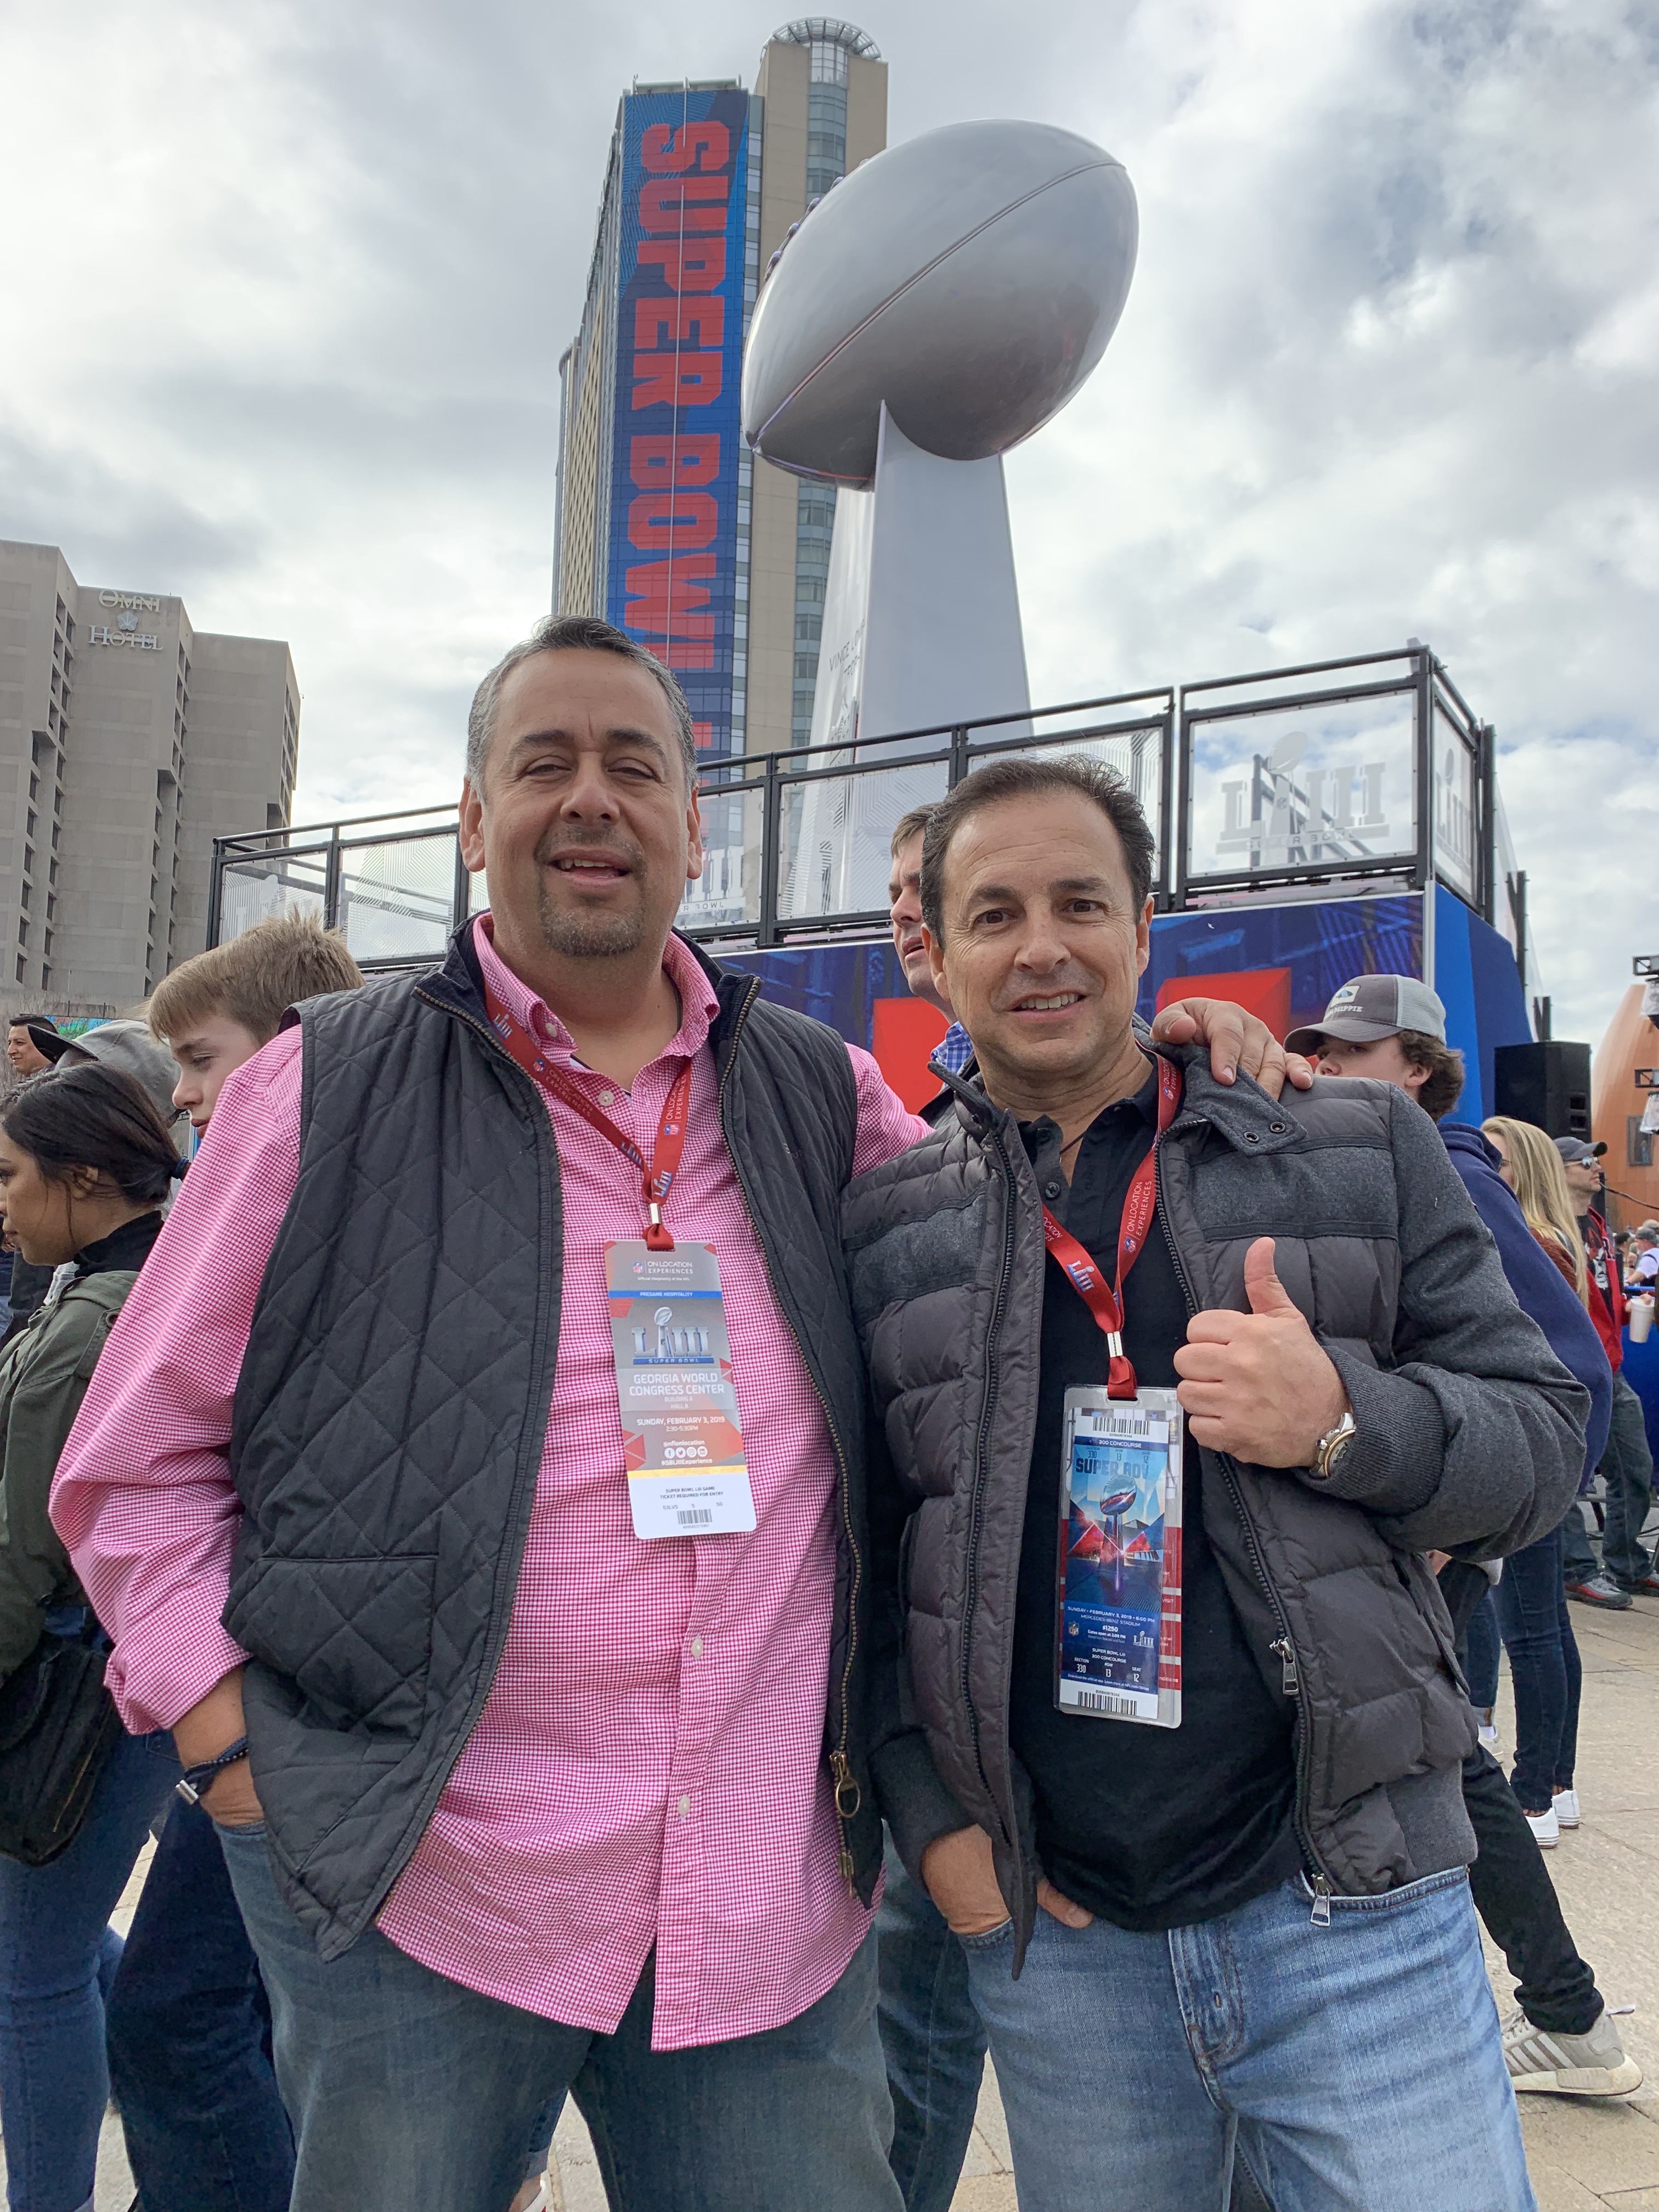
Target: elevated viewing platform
(1338, 779)
(1312, 823)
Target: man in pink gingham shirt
(633, 1881)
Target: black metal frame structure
(1412, 673)
(314, 864)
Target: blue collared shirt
(955, 1048)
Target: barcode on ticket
(694, 1516)
(1102, 1701)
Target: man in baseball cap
(1393, 1029)
(1577, 1152)
(128, 1046)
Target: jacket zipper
(848, 1796)
(1284, 1646)
(76, 1780)
(982, 1463)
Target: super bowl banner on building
(679, 364)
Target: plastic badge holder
(1117, 1653)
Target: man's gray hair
(573, 634)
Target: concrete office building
(129, 740)
(667, 525)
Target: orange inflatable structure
(1630, 1042)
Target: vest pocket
(353, 1636)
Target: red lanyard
(657, 1174)
(1107, 1305)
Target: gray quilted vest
(394, 1397)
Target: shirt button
(607, 1097)
(686, 1808)
(1051, 1190)
(697, 1647)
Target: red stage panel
(1264, 992)
(904, 1034)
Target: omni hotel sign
(126, 630)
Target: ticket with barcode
(1117, 1641)
(682, 1435)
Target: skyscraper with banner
(667, 525)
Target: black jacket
(394, 1399)
(1471, 1436)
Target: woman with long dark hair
(85, 1165)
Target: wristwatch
(197, 1780)
(1331, 1447)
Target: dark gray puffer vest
(394, 1399)
(1470, 1439)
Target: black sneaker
(1644, 1585)
(1599, 1589)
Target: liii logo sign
(1281, 815)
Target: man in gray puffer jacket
(1256, 1930)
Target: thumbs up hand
(1258, 1385)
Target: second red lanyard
(1105, 1301)
(657, 1172)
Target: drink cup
(1641, 1320)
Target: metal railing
(1340, 775)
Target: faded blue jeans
(932, 2039)
(1357, 2063)
(407, 2089)
(188, 2032)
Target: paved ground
(1582, 2155)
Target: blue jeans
(1359, 2063)
(57, 1957)
(932, 2039)
(407, 2089)
(189, 2033)
(1537, 1625)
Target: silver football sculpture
(969, 279)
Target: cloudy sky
(285, 285)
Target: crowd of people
(594, 1541)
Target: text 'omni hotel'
(667, 526)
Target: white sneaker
(1546, 1828)
(1565, 1806)
(1593, 2066)
(1489, 1735)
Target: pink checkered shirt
(648, 1769)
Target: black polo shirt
(1151, 1827)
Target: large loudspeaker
(1548, 1084)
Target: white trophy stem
(921, 628)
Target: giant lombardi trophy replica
(933, 309)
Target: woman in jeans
(85, 1163)
(1531, 1598)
